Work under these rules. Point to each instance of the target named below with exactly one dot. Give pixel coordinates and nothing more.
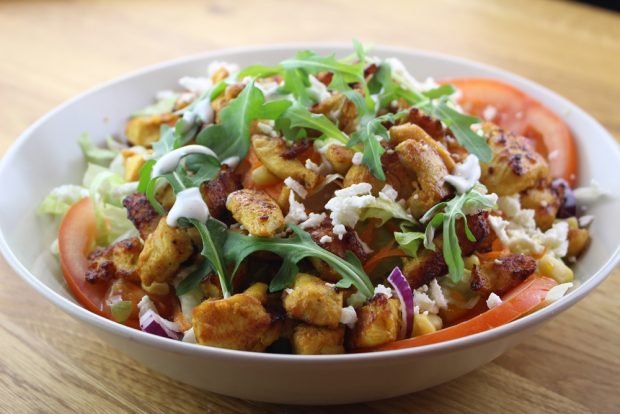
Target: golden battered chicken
(116, 261)
(256, 211)
(515, 165)
(544, 200)
(378, 322)
(340, 110)
(312, 301)
(164, 251)
(313, 340)
(421, 160)
(144, 130)
(271, 153)
(239, 322)
(340, 157)
(231, 92)
(502, 274)
(403, 132)
(361, 174)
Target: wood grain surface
(53, 50)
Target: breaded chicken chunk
(314, 340)
(256, 211)
(312, 301)
(515, 165)
(164, 251)
(144, 130)
(238, 322)
(378, 322)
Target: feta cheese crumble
(325, 239)
(383, 290)
(348, 317)
(357, 158)
(493, 301)
(520, 234)
(296, 187)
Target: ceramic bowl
(47, 155)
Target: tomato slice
(520, 301)
(518, 112)
(76, 238)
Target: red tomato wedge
(76, 238)
(518, 112)
(520, 301)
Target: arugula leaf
(296, 83)
(200, 168)
(369, 135)
(438, 92)
(292, 251)
(259, 71)
(460, 124)
(299, 116)
(453, 210)
(231, 137)
(167, 141)
(314, 63)
(214, 235)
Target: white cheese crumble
(346, 206)
(429, 298)
(288, 291)
(348, 316)
(313, 220)
(339, 230)
(296, 210)
(465, 174)
(489, 113)
(357, 158)
(325, 239)
(520, 234)
(296, 187)
(493, 301)
(383, 290)
(388, 193)
(400, 73)
(266, 126)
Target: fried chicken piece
(256, 211)
(340, 157)
(216, 192)
(430, 264)
(502, 274)
(144, 130)
(361, 174)
(515, 165)
(239, 322)
(313, 301)
(219, 103)
(165, 249)
(117, 261)
(141, 213)
(403, 132)
(271, 152)
(378, 322)
(314, 340)
(422, 161)
(340, 110)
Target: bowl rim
(189, 349)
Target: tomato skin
(523, 115)
(76, 238)
(525, 298)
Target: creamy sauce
(189, 204)
(169, 162)
(465, 174)
(232, 162)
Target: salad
(324, 205)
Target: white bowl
(47, 155)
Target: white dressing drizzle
(188, 204)
(169, 162)
(465, 174)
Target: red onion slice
(151, 322)
(405, 294)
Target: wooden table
(51, 51)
